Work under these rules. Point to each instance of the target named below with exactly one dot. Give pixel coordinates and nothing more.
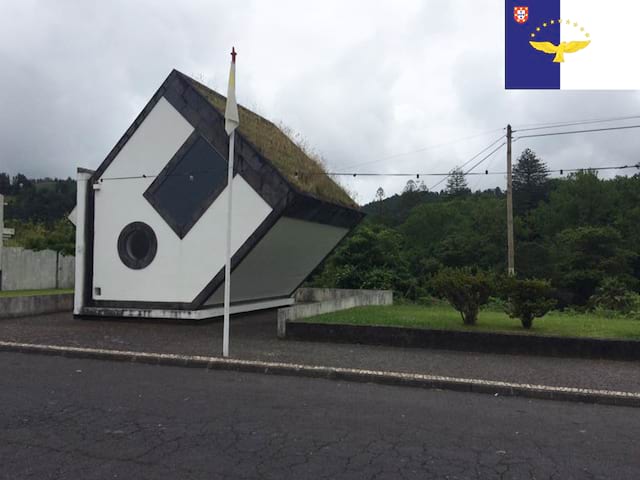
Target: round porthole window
(137, 245)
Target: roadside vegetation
(31, 293)
(576, 252)
(493, 318)
(37, 210)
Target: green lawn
(445, 317)
(28, 293)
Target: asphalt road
(85, 419)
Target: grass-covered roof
(300, 169)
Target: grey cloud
(360, 80)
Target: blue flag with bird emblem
(571, 44)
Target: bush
(613, 297)
(429, 301)
(464, 290)
(371, 257)
(60, 236)
(496, 304)
(527, 299)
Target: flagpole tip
(233, 54)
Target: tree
(457, 182)
(613, 296)
(5, 184)
(41, 201)
(528, 299)
(464, 290)
(584, 256)
(379, 200)
(584, 230)
(60, 236)
(20, 183)
(371, 257)
(411, 186)
(530, 181)
(458, 232)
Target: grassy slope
(27, 293)
(444, 317)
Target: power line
(590, 122)
(417, 175)
(470, 160)
(594, 169)
(424, 149)
(627, 127)
(485, 158)
(132, 177)
(413, 174)
(486, 172)
(541, 126)
(469, 172)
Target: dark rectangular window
(189, 184)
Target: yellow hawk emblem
(559, 50)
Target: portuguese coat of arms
(521, 14)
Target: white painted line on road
(377, 376)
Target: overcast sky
(361, 81)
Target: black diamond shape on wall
(189, 184)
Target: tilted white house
(151, 220)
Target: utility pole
(510, 250)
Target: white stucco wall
(181, 268)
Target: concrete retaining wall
(316, 301)
(11, 307)
(29, 270)
(485, 342)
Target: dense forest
(580, 232)
(37, 210)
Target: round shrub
(464, 289)
(528, 299)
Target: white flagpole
(232, 120)
(227, 268)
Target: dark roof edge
(309, 208)
(239, 136)
(294, 188)
(193, 80)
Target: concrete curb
(605, 397)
